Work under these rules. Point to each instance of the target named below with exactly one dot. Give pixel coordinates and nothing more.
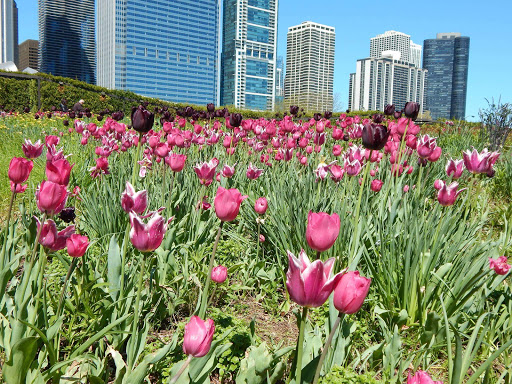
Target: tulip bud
(227, 203)
(19, 170)
(376, 185)
(132, 201)
(421, 378)
(51, 197)
(235, 119)
(374, 136)
(322, 230)
(350, 292)
(261, 205)
(294, 110)
(142, 120)
(198, 336)
(411, 110)
(389, 109)
(219, 274)
(210, 107)
(397, 114)
(59, 171)
(77, 245)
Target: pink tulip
(219, 274)
(350, 292)
(454, 168)
(261, 205)
(322, 230)
(500, 265)
(228, 171)
(336, 150)
(18, 188)
(132, 201)
(32, 151)
(206, 171)
(77, 245)
(426, 147)
(310, 284)
(198, 336)
(162, 150)
(51, 140)
(19, 170)
(438, 184)
(421, 377)
(337, 172)
(376, 185)
(176, 161)
(353, 168)
(205, 205)
(253, 172)
(59, 171)
(448, 194)
(227, 203)
(147, 237)
(50, 238)
(480, 162)
(262, 238)
(51, 197)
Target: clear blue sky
(486, 23)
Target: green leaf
(23, 354)
(114, 268)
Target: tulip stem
(181, 370)
(163, 182)
(355, 239)
(328, 342)
(204, 296)
(134, 172)
(300, 346)
(170, 190)
(8, 225)
(136, 310)
(258, 241)
(61, 300)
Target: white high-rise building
(396, 41)
(249, 45)
(385, 80)
(8, 31)
(310, 66)
(415, 56)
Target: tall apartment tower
(8, 31)
(386, 80)
(396, 41)
(29, 52)
(447, 59)
(279, 82)
(310, 66)
(249, 54)
(160, 48)
(66, 39)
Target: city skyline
(353, 44)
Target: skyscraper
(29, 52)
(8, 31)
(386, 80)
(66, 39)
(279, 83)
(249, 53)
(310, 66)
(396, 41)
(446, 59)
(164, 49)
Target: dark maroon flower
(294, 110)
(235, 119)
(411, 110)
(142, 120)
(374, 136)
(389, 109)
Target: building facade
(8, 31)
(29, 53)
(161, 49)
(310, 66)
(385, 80)
(279, 83)
(67, 39)
(399, 42)
(249, 54)
(415, 55)
(447, 59)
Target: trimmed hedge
(17, 93)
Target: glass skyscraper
(446, 58)
(249, 54)
(8, 31)
(66, 39)
(160, 48)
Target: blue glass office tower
(66, 39)
(249, 54)
(446, 58)
(160, 48)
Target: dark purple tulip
(374, 136)
(411, 110)
(49, 115)
(36, 116)
(389, 109)
(67, 215)
(189, 111)
(235, 119)
(317, 116)
(99, 117)
(79, 115)
(210, 107)
(378, 118)
(117, 116)
(142, 120)
(327, 114)
(398, 114)
(71, 115)
(346, 137)
(88, 114)
(294, 110)
(65, 123)
(26, 109)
